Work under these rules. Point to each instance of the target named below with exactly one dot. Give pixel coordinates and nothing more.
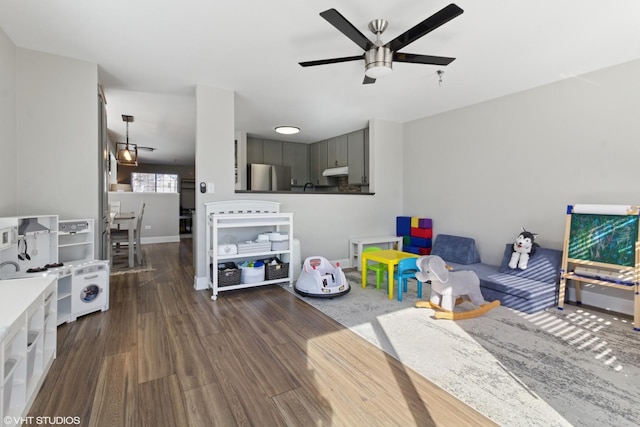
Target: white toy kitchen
(43, 245)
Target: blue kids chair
(407, 269)
(380, 269)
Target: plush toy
(447, 286)
(523, 248)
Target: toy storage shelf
(245, 219)
(27, 342)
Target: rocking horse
(450, 288)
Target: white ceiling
(151, 54)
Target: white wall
(214, 162)
(58, 145)
(486, 170)
(160, 214)
(8, 128)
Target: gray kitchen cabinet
(272, 152)
(337, 151)
(254, 150)
(318, 161)
(358, 152)
(296, 156)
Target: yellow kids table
(390, 257)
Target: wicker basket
(228, 274)
(278, 271)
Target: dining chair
(379, 268)
(120, 237)
(407, 269)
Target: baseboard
(200, 283)
(160, 239)
(603, 301)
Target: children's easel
(601, 247)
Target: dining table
(126, 219)
(389, 257)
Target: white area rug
(554, 368)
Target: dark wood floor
(166, 355)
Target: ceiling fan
(379, 57)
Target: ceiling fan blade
(331, 61)
(368, 80)
(431, 23)
(345, 27)
(422, 59)
(146, 148)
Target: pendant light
(127, 154)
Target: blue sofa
(530, 290)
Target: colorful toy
(523, 248)
(449, 288)
(320, 279)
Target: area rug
(553, 368)
(119, 266)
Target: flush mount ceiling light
(127, 154)
(287, 130)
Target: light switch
(210, 188)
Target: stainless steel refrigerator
(268, 177)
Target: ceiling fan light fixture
(377, 71)
(378, 62)
(287, 130)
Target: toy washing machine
(89, 288)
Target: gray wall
(58, 148)
(8, 128)
(486, 170)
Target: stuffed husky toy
(523, 248)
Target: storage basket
(277, 271)
(252, 274)
(228, 274)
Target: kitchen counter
(342, 193)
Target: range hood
(31, 225)
(341, 171)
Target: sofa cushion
(456, 249)
(510, 284)
(543, 266)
